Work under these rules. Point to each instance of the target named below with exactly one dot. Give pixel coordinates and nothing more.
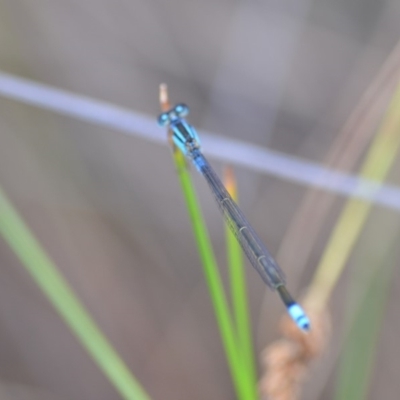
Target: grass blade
(56, 289)
(243, 387)
(360, 348)
(380, 158)
(237, 279)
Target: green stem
(237, 277)
(214, 282)
(44, 272)
(359, 351)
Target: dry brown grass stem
(347, 148)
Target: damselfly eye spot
(163, 119)
(182, 110)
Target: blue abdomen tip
(299, 317)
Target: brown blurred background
(108, 208)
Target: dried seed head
(287, 360)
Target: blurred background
(107, 207)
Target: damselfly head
(176, 113)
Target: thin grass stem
(214, 282)
(358, 354)
(380, 158)
(237, 278)
(46, 275)
(243, 386)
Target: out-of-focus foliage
(108, 210)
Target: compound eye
(182, 110)
(163, 119)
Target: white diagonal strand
(227, 150)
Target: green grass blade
(379, 159)
(237, 277)
(48, 278)
(359, 349)
(243, 387)
(358, 353)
